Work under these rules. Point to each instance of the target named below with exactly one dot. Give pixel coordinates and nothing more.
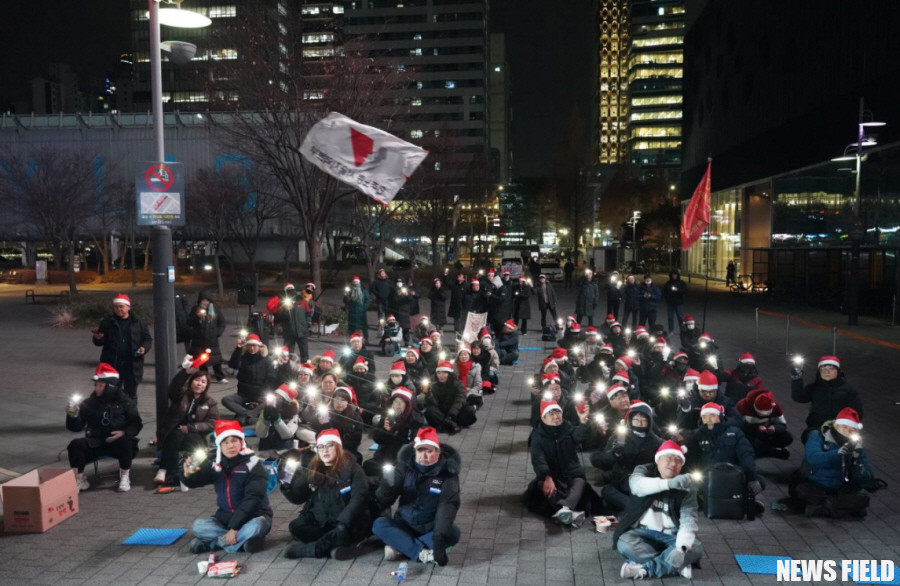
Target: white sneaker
(82, 482)
(160, 477)
(563, 515)
(224, 381)
(183, 487)
(124, 480)
(577, 518)
(426, 556)
(391, 554)
(686, 572)
(633, 571)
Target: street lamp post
(633, 222)
(161, 240)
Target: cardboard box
(39, 500)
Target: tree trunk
(218, 267)
(435, 254)
(147, 255)
(315, 259)
(70, 271)
(57, 255)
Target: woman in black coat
(827, 395)
(522, 292)
(188, 421)
(438, 296)
(457, 292)
(335, 494)
(395, 427)
(206, 323)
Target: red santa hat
(484, 333)
(669, 448)
(628, 361)
(622, 376)
(328, 355)
(356, 279)
(402, 392)
(361, 361)
(287, 393)
(689, 319)
(415, 352)
(329, 436)
(106, 373)
(548, 406)
(391, 317)
(311, 286)
(613, 389)
(849, 417)
(559, 354)
(747, 358)
(610, 318)
(510, 325)
(348, 391)
(549, 378)
(704, 337)
(575, 327)
(356, 336)
(435, 335)
(475, 281)
(463, 348)
(712, 409)
(307, 368)
(546, 363)
(427, 436)
(659, 342)
(606, 349)
(121, 299)
(764, 403)
(426, 340)
(253, 340)
(829, 361)
(398, 368)
(444, 366)
(571, 319)
(641, 332)
(691, 376)
(615, 324)
(591, 331)
(679, 355)
(708, 381)
(225, 428)
(288, 286)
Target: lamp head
(179, 52)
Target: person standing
(648, 300)
(522, 292)
(457, 293)
(674, 291)
(613, 294)
(381, 289)
(588, 298)
(631, 308)
(568, 269)
(125, 341)
(295, 315)
(546, 297)
(438, 296)
(356, 301)
(730, 274)
(206, 325)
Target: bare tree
(215, 197)
(280, 98)
(54, 192)
(111, 210)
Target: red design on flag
(362, 146)
(696, 216)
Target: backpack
(548, 333)
(725, 494)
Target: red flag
(696, 216)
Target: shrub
(86, 311)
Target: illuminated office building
(613, 82)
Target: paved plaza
(502, 544)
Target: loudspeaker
(248, 289)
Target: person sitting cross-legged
(244, 516)
(657, 533)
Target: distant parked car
(553, 271)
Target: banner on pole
(369, 159)
(696, 216)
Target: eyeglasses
(328, 446)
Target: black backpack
(725, 494)
(548, 333)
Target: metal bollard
(834, 341)
(757, 324)
(787, 334)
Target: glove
(845, 450)
(440, 554)
(796, 373)
(755, 487)
(680, 482)
(270, 413)
(618, 452)
(186, 363)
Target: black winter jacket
(722, 443)
(100, 416)
(121, 340)
(827, 398)
(344, 501)
(438, 299)
(449, 397)
(554, 450)
(206, 330)
(255, 373)
(429, 500)
(240, 489)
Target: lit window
(318, 37)
(417, 37)
(497, 69)
(222, 54)
(282, 9)
(419, 85)
(310, 10)
(449, 85)
(416, 101)
(416, 134)
(417, 51)
(437, 166)
(313, 95)
(222, 11)
(338, 9)
(319, 52)
(190, 97)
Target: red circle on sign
(162, 174)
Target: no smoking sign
(160, 193)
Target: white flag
(369, 159)
(474, 323)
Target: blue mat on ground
(145, 536)
(521, 348)
(249, 432)
(759, 564)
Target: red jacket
(752, 417)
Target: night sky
(550, 46)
